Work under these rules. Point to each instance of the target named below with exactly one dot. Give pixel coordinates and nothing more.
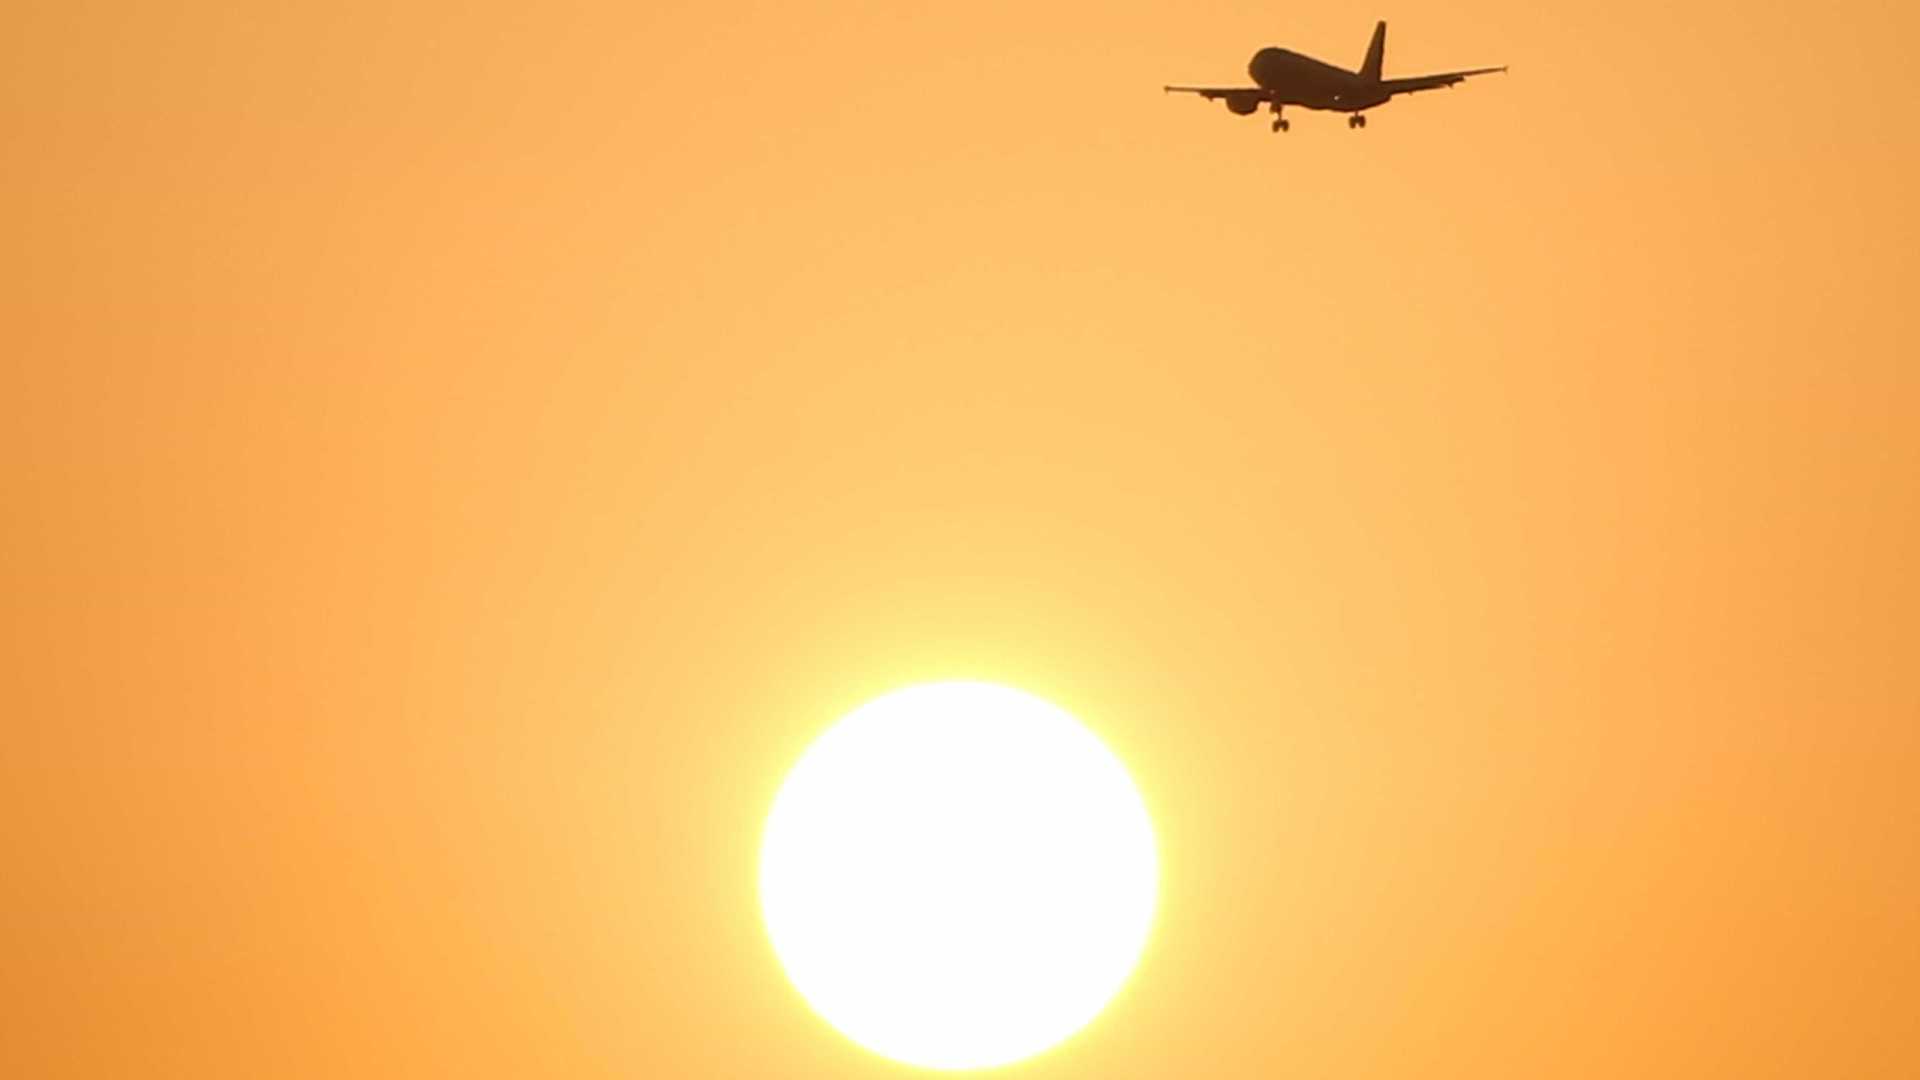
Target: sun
(958, 875)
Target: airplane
(1284, 77)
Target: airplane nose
(1262, 61)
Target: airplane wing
(1242, 93)
(1433, 82)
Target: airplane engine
(1243, 104)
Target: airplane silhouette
(1284, 77)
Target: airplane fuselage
(1294, 79)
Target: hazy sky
(457, 456)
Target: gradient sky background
(458, 456)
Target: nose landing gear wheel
(1357, 120)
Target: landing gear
(1357, 120)
(1280, 123)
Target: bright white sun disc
(958, 875)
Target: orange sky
(459, 455)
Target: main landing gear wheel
(1282, 125)
(1357, 120)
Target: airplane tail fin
(1376, 54)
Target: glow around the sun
(958, 875)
